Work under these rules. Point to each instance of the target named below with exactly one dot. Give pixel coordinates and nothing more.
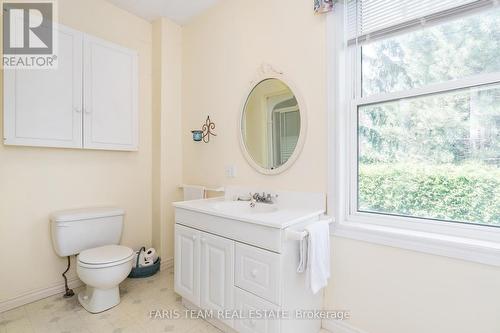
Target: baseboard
(339, 326)
(55, 289)
(167, 264)
(38, 294)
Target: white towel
(193, 192)
(318, 255)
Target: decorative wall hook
(205, 132)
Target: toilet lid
(105, 254)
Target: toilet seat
(105, 256)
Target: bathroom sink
(243, 207)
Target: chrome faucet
(266, 198)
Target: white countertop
(284, 217)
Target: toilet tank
(76, 230)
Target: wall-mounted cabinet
(90, 101)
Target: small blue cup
(197, 135)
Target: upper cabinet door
(110, 90)
(43, 107)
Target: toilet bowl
(94, 234)
(102, 269)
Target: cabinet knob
(78, 110)
(254, 272)
(193, 237)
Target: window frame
(471, 242)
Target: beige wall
(388, 290)
(223, 51)
(167, 145)
(37, 181)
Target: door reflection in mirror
(271, 123)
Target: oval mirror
(272, 126)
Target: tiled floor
(139, 297)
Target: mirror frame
(268, 73)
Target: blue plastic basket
(142, 272)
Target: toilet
(94, 234)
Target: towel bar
(299, 235)
(210, 189)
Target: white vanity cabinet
(88, 101)
(227, 264)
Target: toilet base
(98, 300)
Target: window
(416, 126)
(434, 156)
(452, 50)
(428, 147)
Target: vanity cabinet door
(217, 274)
(187, 263)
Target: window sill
(479, 251)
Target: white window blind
(371, 19)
